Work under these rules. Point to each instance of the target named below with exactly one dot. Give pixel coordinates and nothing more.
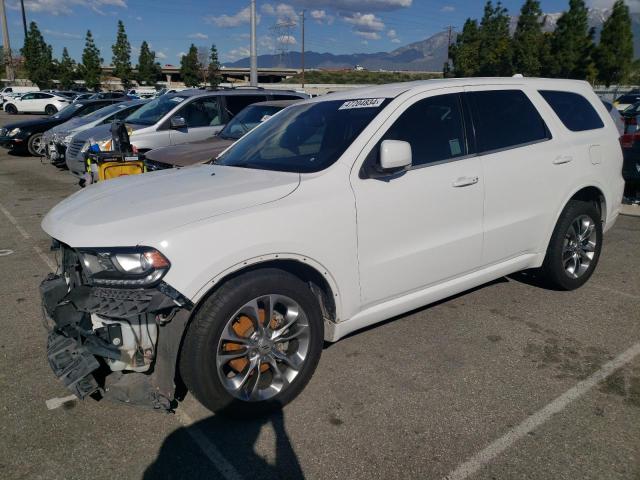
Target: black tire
(10, 109)
(197, 364)
(33, 145)
(50, 110)
(553, 271)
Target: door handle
(465, 181)
(562, 159)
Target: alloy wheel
(263, 347)
(579, 246)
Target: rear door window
(505, 119)
(235, 103)
(575, 111)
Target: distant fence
(612, 92)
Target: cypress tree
(189, 67)
(614, 55)
(494, 53)
(122, 56)
(37, 57)
(213, 72)
(572, 43)
(464, 52)
(528, 40)
(91, 67)
(148, 70)
(67, 70)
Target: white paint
(227, 470)
(57, 402)
(482, 458)
(6, 252)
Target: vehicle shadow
(232, 439)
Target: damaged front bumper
(115, 343)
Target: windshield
(247, 120)
(104, 112)
(68, 111)
(153, 111)
(305, 138)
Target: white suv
(37, 102)
(336, 213)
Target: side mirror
(178, 123)
(395, 155)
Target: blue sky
(170, 26)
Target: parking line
(227, 470)
(482, 458)
(26, 236)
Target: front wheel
(575, 246)
(36, 146)
(10, 109)
(50, 110)
(254, 344)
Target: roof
(393, 90)
(194, 92)
(277, 103)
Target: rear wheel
(10, 109)
(35, 145)
(254, 344)
(50, 109)
(575, 246)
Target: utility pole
(7, 46)
(24, 18)
(448, 65)
(302, 58)
(253, 76)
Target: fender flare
(274, 257)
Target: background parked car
(174, 119)
(18, 90)
(110, 96)
(624, 101)
(58, 138)
(37, 102)
(205, 150)
(27, 135)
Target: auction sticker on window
(362, 103)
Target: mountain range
(426, 55)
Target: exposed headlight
(134, 267)
(14, 132)
(86, 146)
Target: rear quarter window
(574, 111)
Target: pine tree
(572, 43)
(148, 70)
(528, 40)
(189, 68)
(614, 55)
(122, 56)
(91, 67)
(494, 55)
(213, 73)
(464, 52)
(37, 57)
(67, 70)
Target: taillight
(626, 140)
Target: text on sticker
(362, 103)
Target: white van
(335, 214)
(17, 89)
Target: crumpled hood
(132, 210)
(68, 125)
(189, 153)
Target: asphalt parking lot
(506, 381)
